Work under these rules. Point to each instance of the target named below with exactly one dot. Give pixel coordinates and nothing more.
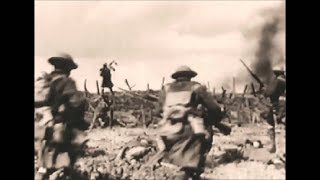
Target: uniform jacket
(276, 89)
(66, 102)
(200, 96)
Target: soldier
(64, 133)
(106, 77)
(274, 91)
(189, 112)
(101, 111)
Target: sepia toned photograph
(160, 90)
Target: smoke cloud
(266, 36)
(268, 54)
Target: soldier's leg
(239, 117)
(111, 117)
(111, 91)
(101, 120)
(94, 119)
(271, 131)
(43, 156)
(254, 117)
(102, 91)
(229, 116)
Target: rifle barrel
(252, 74)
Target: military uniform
(274, 91)
(101, 112)
(106, 78)
(189, 111)
(64, 133)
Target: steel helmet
(184, 71)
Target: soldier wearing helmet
(276, 91)
(189, 111)
(105, 73)
(65, 128)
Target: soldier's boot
(40, 174)
(181, 175)
(101, 122)
(111, 118)
(272, 135)
(57, 174)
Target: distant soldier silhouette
(275, 90)
(105, 73)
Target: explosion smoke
(265, 37)
(268, 53)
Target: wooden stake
(234, 87)
(245, 90)
(98, 90)
(85, 88)
(214, 92)
(253, 90)
(127, 83)
(162, 84)
(223, 92)
(150, 113)
(143, 116)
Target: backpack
(176, 105)
(177, 108)
(41, 94)
(42, 87)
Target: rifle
(253, 75)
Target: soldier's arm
(275, 89)
(214, 110)
(71, 95)
(38, 104)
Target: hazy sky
(148, 39)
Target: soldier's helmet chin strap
(183, 78)
(64, 71)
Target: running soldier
(105, 73)
(64, 132)
(275, 91)
(189, 112)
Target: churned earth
(122, 153)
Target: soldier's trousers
(271, 129)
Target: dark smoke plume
(268, 53)
(264, 36)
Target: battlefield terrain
(121, 152)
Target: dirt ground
(105, 144)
